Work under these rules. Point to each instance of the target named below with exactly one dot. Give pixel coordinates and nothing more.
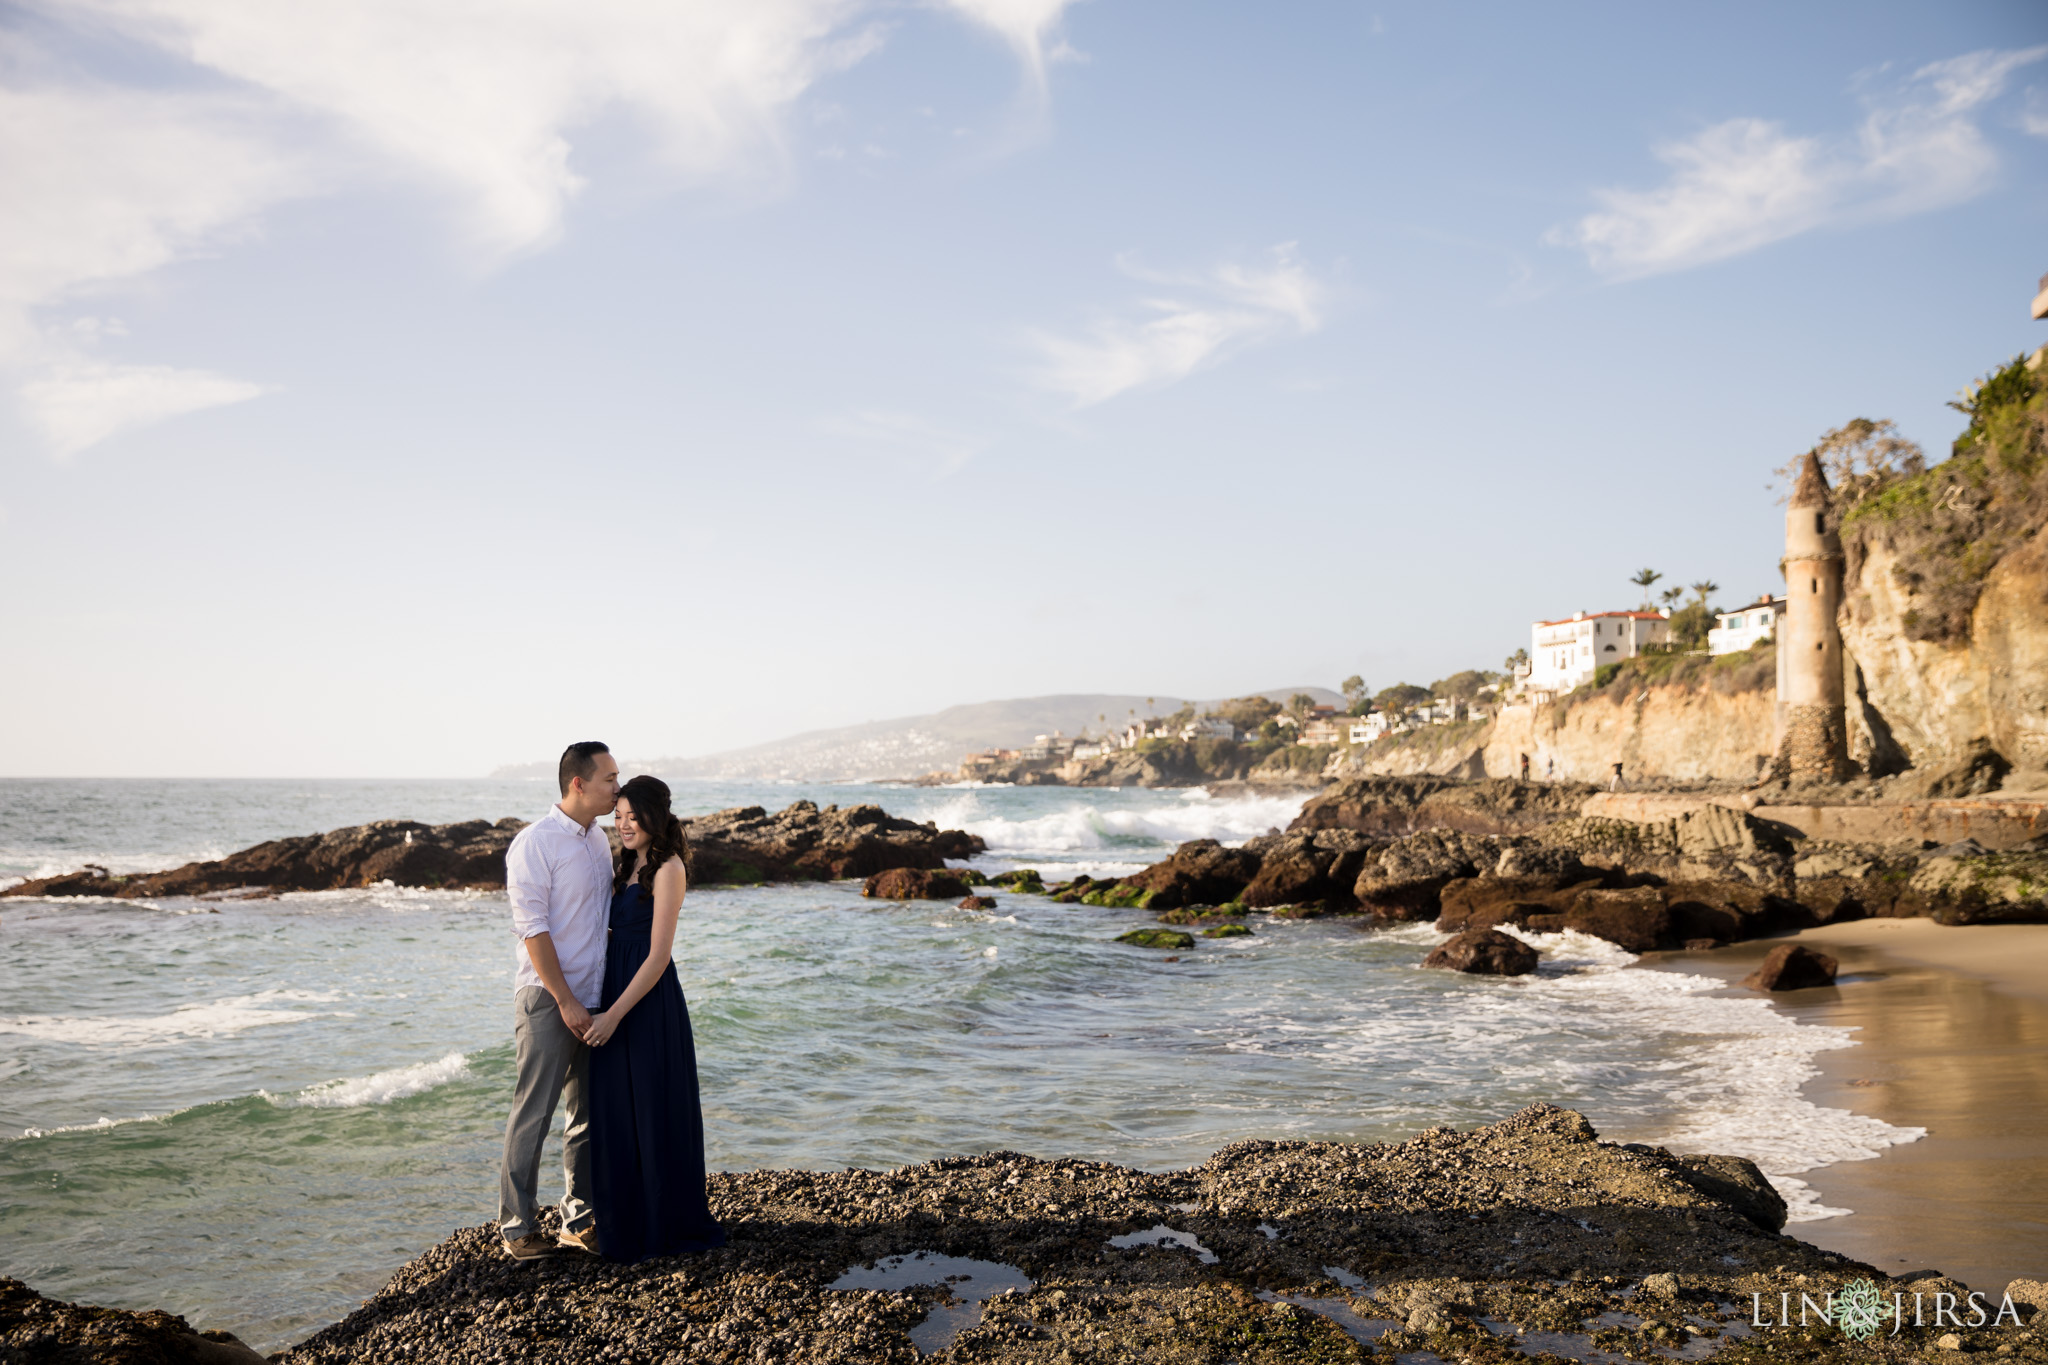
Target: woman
(646, 1132)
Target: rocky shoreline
(1474, 857)
(742, 846)
(1526, 1239)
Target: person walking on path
(647, 1126)
(558, 876)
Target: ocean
(251, 1113)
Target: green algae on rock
(1157, 938)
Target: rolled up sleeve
(528, 882)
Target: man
(558, 876)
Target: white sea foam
(1727, 1071)
(216, 1019)
(28, 864)
(1086, 824)
(101, 1126)
(380, 1088)
(1736, 1087)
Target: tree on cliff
(1950, 525)
(1643, 579)
(1248, 713)
(1353, 688)
(1300, 704)
(1859, 450)
(1691, 622)
(1401, 697)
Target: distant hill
(912, 745)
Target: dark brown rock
(1632, 918)
(1483, 902)
(1315, 867)
(466, 855)
(1532, 1220)
(977, 903)
(804, 843)
(1394, 806)
(914, 884)
(1792, 967)
(1485, 952)
(1405, 880)
(35, 1328)
(1736, 1181)
(743, 845)
(1200, 872)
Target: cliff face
(1681, 732)
(1932, 704)
(1945, 618)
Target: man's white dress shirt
(558, 876)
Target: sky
(409, 387)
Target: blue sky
(403, 388)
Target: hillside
(910, 746)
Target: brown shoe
(530, 1247)
(580, 1239)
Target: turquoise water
(252, 1113)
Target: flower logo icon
(1859, 1311)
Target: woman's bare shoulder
(670, 872)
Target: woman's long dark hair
(650, 801)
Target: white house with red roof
(1563, 654)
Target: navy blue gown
(646, 1129)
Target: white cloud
(80, 403)
(1221, 312)
(1746, 182)
(2034, 117)
(105, 184)
(477, 98)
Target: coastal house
(1321, 730)
(1055, 746)
(1208, 727)
(1094, 748)
(1753, 624)
(1368, 728)
(1564, 653)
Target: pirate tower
(1812, 735)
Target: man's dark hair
(579, 760)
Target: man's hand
(575, 1016)
(540, 950)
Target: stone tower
(1813, 741)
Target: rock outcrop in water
(740, 846)
(1527, 1237)
(1516, 854)
(33, 1328)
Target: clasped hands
(594, 1029)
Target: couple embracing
(600, 1023)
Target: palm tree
(1706, 588)
(1671, 596)
(1643, 579)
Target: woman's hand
(600, 1030)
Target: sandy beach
(1953, 1037)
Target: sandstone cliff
(1945, 614)
(1935, 705)
(1676, 732)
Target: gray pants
(552, 1062)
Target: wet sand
(1953, 1037)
